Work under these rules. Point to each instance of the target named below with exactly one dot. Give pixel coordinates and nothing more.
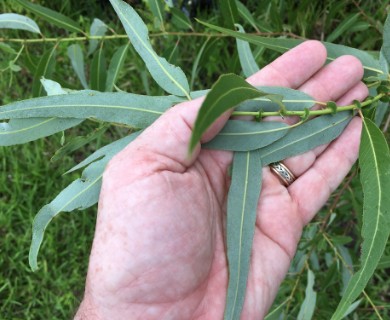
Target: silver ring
(283, 173)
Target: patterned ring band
(283, 173)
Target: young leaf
(305, 137)
(229, 12)
(98, 28)
(130, 109)
(18, 131)
(169, 77)
(7, 48)
(276, 313)
(45, 68)
(75, 55)
(239, 135)
(374, 162)
(243, 197)
(51, 16)
(283, 45)
(308, 305)
(98, 72)
(80, 194)
(19, 22)
(53, 88)
(115, 66)
(247, 61)
(226, 93)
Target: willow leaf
(239, 135)
(243, 196)
(374, 162)
(227, 92)
(170, 78)
(343, 27)
(51, 16)
(45, 68)
(130, 109)
(229, 12)
(293, 100)
(80, 194)
(7, 48)
(246, 15)
(18, 131)
(275, 314)
(107, 151)
(98, 28)
(385, 50)
(76, 57)
(116, 65)
(306, 136)
(98, 72)
(283, 45)
(308, 305)
(157, 8)
(19, 22)
(247, 61)
(180, 20)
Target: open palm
(159, 248)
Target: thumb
(169, 135)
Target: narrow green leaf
(98, 72)
(385, 50)
(195, 65)
(374, 162)
(226, 93)
(116, 65)
(76, 57)
(180, 20)
(157, 8)
(77, 143)
(283, 45)
(19, 22)
(243, 196)
(305, 137)
(343, 27)
(229, 12)
(80, 194)
(126, 108)
(247, 61)
(45, 68)
(239, 135)
(18, 131)
(308, 305)
(170, 78)
(51, 16)
(98, 28)
(246, 15)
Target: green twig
(303, 113)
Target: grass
(29, 180)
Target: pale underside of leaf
(19, 131)
(80, 194)
(243, 196)
(17, 21)
(247, 61)
(374, 162)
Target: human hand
(159, 249)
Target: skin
(159, 250)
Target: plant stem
(309, 113)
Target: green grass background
(28, 178)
